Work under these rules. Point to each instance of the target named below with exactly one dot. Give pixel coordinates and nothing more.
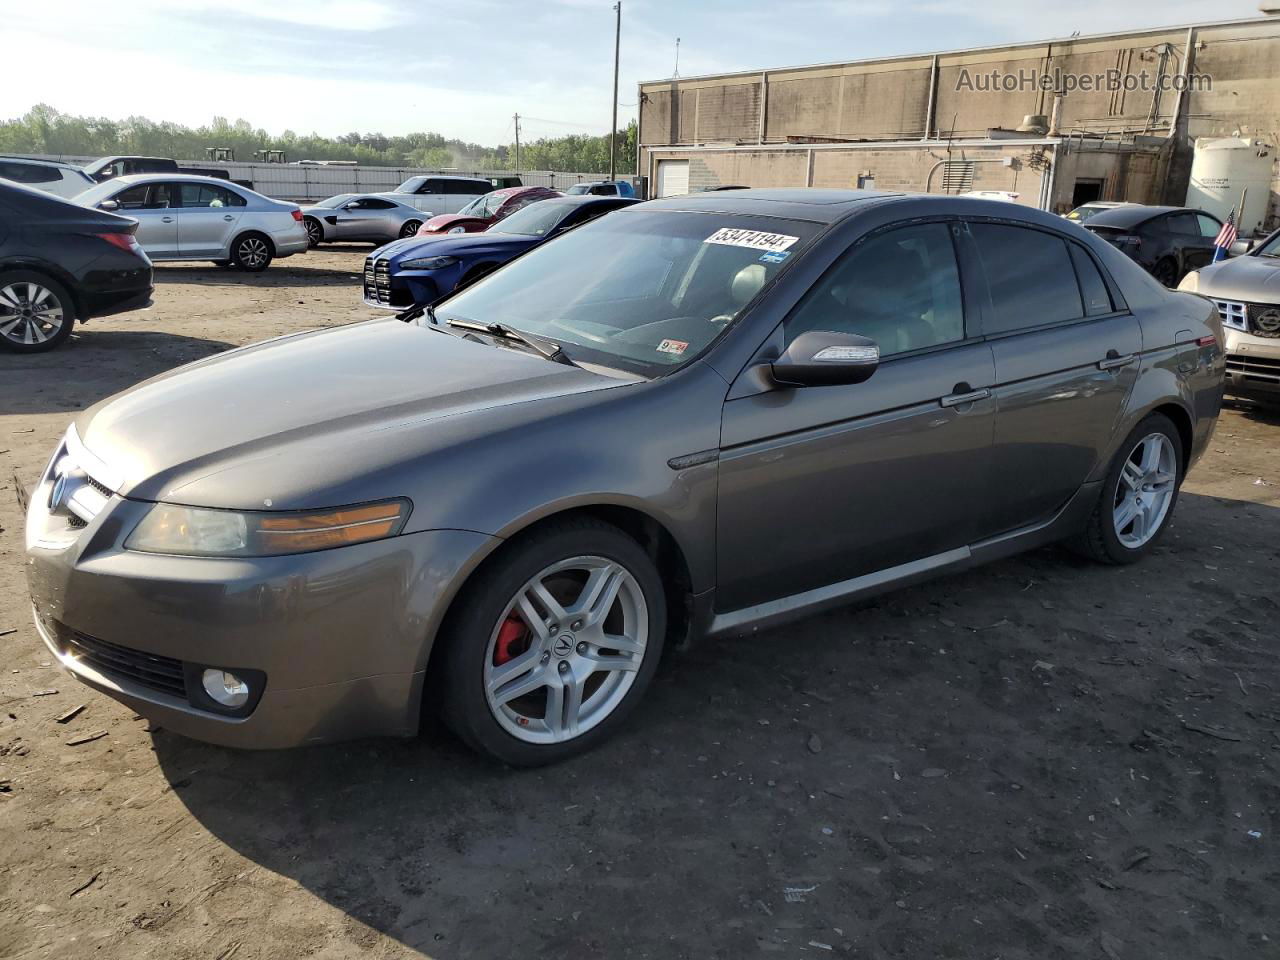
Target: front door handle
(967, 396)
(166, 219)
(1114, 361)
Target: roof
(168, 178)
(800, 203)
(7, 158)
(1131, 215)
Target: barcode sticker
(753, 239)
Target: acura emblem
(563, 645)
(1269, 322)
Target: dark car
(1168, 242)
(108, 168)
(699, 415)
(424, 269)
(483, 212)
(61, 262)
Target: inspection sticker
(754, 239)
(673, 346)
(776, 256)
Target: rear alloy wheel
(1166, 271)
(410, 228)
(554, 645)
(252, 252)
(36, 314)
(315, 232)
(1138, 494)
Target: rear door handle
(228, 218)
(959, 399)
(1114, 361)
(166, 219)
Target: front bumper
(341, 636)
(1253, 366)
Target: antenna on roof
(676, 73)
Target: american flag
(1226, 237)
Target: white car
(1008, 196)
(183, 217)
(60, 179)
(439, 194)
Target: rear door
(824, 484)
(458, 193)
(1188, 232)
(207, 220)
(1066, 356)
(150, 205)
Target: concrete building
(1059, 122)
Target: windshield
(1081, 214)
(1271, 248)
(475, 208)
(411, 185)
(337, 201)
(643, 292)
(536, 220)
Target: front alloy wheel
(552, 643)
(566, 650)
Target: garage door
(673, 178)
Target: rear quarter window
(1030, 277)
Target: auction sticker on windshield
(753, 239)
(673, 346)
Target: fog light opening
(225, 688)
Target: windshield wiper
(541, 345)
(416, 311)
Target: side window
(1209, 227)
(29, 173)
(202, 195)
(374, 203)
(1097, 300)
(1030, 276)
(435, 186)
(135, 198)
(901, 288)
(1182, 224)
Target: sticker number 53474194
(753, 239)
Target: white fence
(304, 182)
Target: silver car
(1246, 291)
(60, 179)
(182, 217)
(356, 216)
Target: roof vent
(1034, 123)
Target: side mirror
(109, 206)
(820, 358)
(1240, 248)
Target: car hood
(446, 220)
(456, 245)
(1252, 279)
(294, 423)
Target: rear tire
(315, 232)
(519, 692)
(410, 228)
(1167, 273)
(36, 312)
(1138, 495)
(252, 252)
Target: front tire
(252, 252)
(553, 644)
(36, 313)
(1138, 495)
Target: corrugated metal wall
(289, 182)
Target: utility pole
(517, 119)
(613, 127)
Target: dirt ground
(1040, 759)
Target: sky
(463, 69)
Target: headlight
(200, 532)
(1191, 282)
(428, 263)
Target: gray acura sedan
(698, 415)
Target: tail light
(297, 214)
(125, 241)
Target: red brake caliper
(511, 640)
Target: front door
(359, 219)
(153, 206)
(207, 220)
(1066, 358)
(823, 484)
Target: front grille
(150, 670)
(1257, 369)
(102, 488)
(1264, 320)
(377, 281)
(1233, 313)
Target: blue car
(420, 270)
(602, 188)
